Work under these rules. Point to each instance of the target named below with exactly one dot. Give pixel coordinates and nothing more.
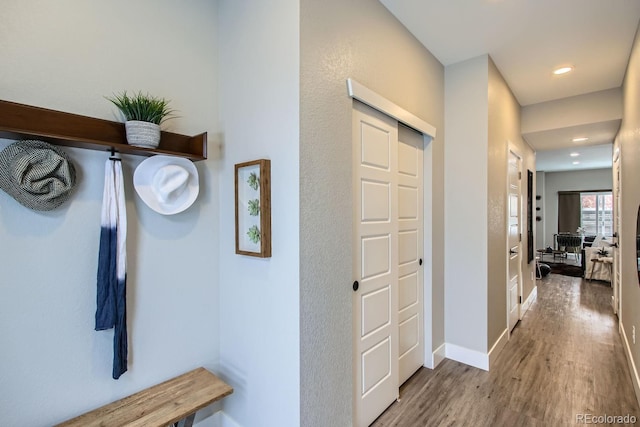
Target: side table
(607, 262)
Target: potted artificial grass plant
(143, 114)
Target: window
(596, 213)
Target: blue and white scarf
(111, 309)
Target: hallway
(565, 358)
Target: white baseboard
(468, 357)
(226, 421)
(530, 299)
(632, 365)
(217, 419)
(438, 356)
(498, 347)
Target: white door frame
(382, 104)
(617, 267)
(511, 148)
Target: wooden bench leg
(186, 422)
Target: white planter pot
(142, 134)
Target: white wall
(67, 55)
(259, 298)
(362, 40)
(577, 110)
(466, 180)
(584, 180)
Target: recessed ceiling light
(574, 154)
(576, 163)
(580, 139)
(562, 70)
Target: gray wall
(584, 180)
(358, 39)
(628, 140)
(466, 211)
(540, 225)
(68, 55)
(482, 117)
(504, 129)
(259, 298)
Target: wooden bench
(174, 401)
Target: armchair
(570, 243)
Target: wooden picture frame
(253, 208)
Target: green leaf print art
(254, 234)
(254, 207)
(253, 181)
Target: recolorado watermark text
(605, 419)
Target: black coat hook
(113, 155)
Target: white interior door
(513, 236)
(410, 251)
(375, 303)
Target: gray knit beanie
(37, 174)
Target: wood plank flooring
(564, 358)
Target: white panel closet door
(375, 303)
(410, 246)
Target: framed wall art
(253, 208)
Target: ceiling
(527, 39)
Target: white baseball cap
(167, 184)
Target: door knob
(512, 252)
(356, 285)
(420, 262)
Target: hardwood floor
(564, 358)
